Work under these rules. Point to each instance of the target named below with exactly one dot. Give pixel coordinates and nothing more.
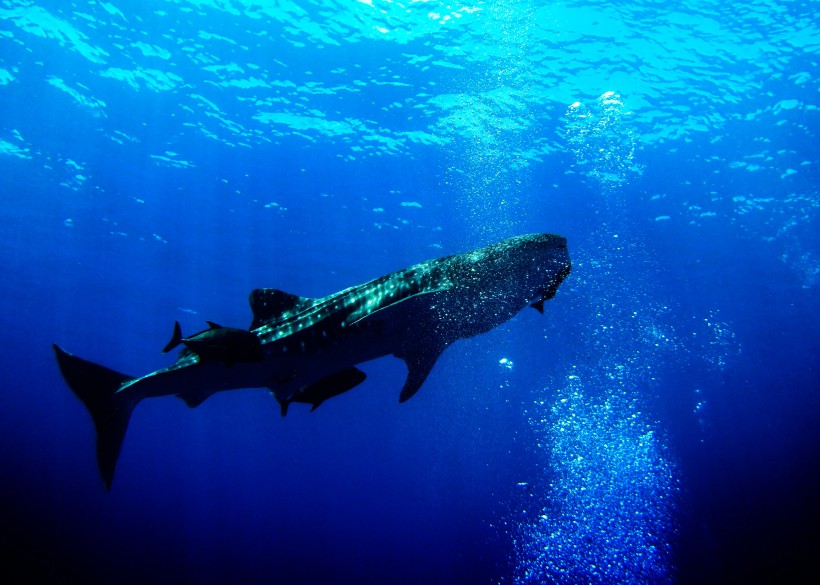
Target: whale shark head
(525, 268)
(546, 263)
(495, 282)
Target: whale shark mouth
(553, 288)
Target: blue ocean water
(160, 159)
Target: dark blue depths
(657, 425)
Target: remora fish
(220, 344)
(311, 345)
(333, 385)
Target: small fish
(328, 387)
(220, 344)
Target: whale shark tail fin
(95, 386)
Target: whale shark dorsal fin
(270, 304)
(213, 325)
(419, 363)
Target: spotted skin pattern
(311, 346)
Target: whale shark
(310, 347)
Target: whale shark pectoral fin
(538, 306)
(419, 363)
